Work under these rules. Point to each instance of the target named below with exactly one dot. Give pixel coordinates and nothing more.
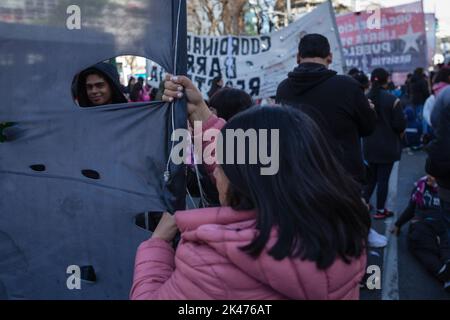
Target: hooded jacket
(438, 162)
(338, 105)
(418, 90)
(209, 264)
(384, 145)
(111, 75)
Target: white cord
(200, 187)
(176, 37)
(167, 172)
(192, 200)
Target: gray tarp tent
(72, 180)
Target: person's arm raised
(176, 87)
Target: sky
(440, 7)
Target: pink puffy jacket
(209, 264)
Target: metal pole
(365, 62)
(288, 13)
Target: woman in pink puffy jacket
(298, 232)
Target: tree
(217, 17)
(224, 17)
(203, 17)
(306, 5)
(262, 15)
(132, 63)
(233, 16)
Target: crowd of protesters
(305, 232)
(420, 101)
(428, 235)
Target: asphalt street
(403, 277)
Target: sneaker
(409, 152)
(447, 287)
(377, 240)
(383, 214)
(389, 213)
(444, 273)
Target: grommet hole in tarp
(148, 220)
(9, 132)
(88, 273)
(91, 174)
(38, 167)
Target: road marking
(390, 289)
(389, 286)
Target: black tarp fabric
(72, 180)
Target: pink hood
(228, 230)
(208, 264)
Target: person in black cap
(99, 85)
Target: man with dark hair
(419, 93)
(362, 79)
(353, 72)
(315, 46)
(99, 85)
(337, 102)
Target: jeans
(379, 176)
(421, 119)
(393, 187)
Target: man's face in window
(98, 90)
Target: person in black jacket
(427, 235)
(336, 102)
(419, 93)
(383, 148)
(418, 88)
(438, 162)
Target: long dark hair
(135, 93)
(130, 84)
(229, 101)
(379, 78)
(313, 203)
